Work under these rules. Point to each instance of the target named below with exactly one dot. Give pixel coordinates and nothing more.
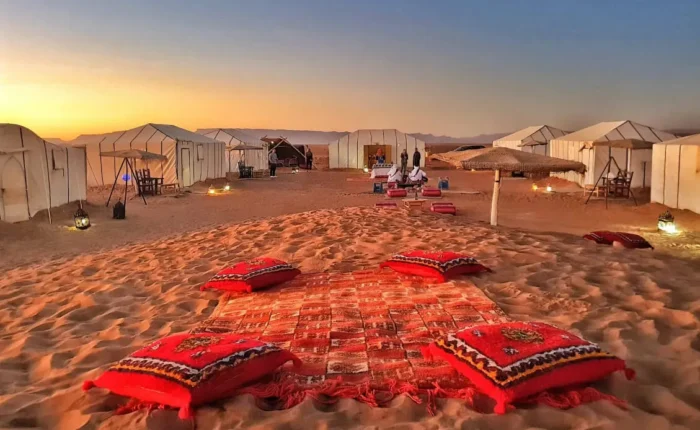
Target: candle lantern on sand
(667, 223)
(81, 218)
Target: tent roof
(501, 158)
(134, 153)
(234, 132)
(533, 135)
(171, 131)
(617, 130)
(622, 143)
(11, 146)
(275, 140)
(687, 140)
(244, 146)
(177, 133)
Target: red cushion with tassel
(396, 192)
(519, 360)
(439, 265)
(431, 192)
(186, 370)
(252, 275)
(628, 240)
(449, 209)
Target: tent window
(200, 152)
(58, 160)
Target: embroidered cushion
(252, 275)
(439, 265)
(431, 192)
(396, 192)
(512, 361)
(443, 208)
(186, 370)
(628, 240)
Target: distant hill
(312, 137)
(56, 141)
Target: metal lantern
(81, 219)
(227, 187)
(667, 223)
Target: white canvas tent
(191, 157)
(353, 151)
(534, 139)
(578, 146)
(233, 137)
(675, 178)
(37, 175)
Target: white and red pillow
(252, 275)
(517, 360)
(628, 240)
(187, 370)
(441, 265)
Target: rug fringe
(330, 391)
(572, 398)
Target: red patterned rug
(359, 334)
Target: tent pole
(116, 178)
(494, 202)
(133, 175)
(596, 185)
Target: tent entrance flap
(369, 156)
(13, 192)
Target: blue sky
(453, 67)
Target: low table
(414, 206)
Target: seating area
(147, 184)
(614, 186)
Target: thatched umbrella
(513, 160)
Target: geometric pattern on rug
(363, 327)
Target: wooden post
(494, 202)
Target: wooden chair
(592, 189)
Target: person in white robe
(417, 175)
(394, 174)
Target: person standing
(404, 161)
(416, 158)
(309, 158)
(272, 159)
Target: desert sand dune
(64, 321)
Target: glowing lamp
(549, 188)
(667, 223)
(366, 169)
(295, 170)
(81, 219)
(534, 187)
(211, 190)
(227, 187)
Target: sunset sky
(445, 67)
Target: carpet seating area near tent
(37, 175)
(357, 149)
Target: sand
(75, 302)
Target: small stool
(378, 188)
(444, 184)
